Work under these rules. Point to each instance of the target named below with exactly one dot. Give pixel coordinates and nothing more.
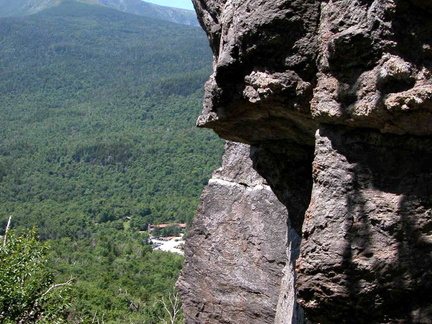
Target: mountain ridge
(136, 7)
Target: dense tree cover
(97, 119)
(97, 139)
(120, 278)
(28, 293)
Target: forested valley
(97, 140)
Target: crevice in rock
(287, 167)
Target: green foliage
(97, 114)
(118, 276)
(25, 281)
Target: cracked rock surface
(236, 249)
(335, 99)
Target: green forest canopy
(97, 126)
(97, 119)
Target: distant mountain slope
(12, 8)
(141, 8)
(97, 140)
(94, 98)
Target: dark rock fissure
(287, 167)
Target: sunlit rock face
(236, 249)
(335, 99)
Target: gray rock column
(366, 253)
(236, 250)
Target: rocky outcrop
(335, 99)
(236, 249)
(366, 241)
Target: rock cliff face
(237, 248)
(335, 100)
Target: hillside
(110, 92)
(15, 8)
(142, 8)
(98, 139)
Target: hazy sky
(185, 4)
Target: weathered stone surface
(289, 65)
(264, 70)
(358, 74)
(236, 248)
(366, 253)
(287, 167)
(374, 67)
